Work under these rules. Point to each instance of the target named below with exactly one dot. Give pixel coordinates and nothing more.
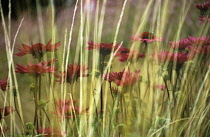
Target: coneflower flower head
(200, 45)
(200, 50)
(35, 69)
(74, 71)
(123, 78)
(131, 55)
(203, 8)
(167, 56)
(38, 49)
(199, 41)
(104, 48)
(180, 45)
(146, 37)
(3, 84)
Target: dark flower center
(147, 35)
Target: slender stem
(148, 68)
(36, 103)
(101, 71)
(39, 92)
(167, 88)
(46, 116)
(110, 87)
(175, 85)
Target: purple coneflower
(104, 48)
(35, 69)
(3, 84)
(74, 71)
(38, 49)
(123, 78)
(146, 37)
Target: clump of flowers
(146, 37)
(74, 71)
(200, 45)
(5, 111)
(123, 78)
(68, 109)
(49, 132)
(38, 49)
(201, 50)
(167, 56)
(199, 41)
(3, 84)
(104, 48)
(35, 69)
(180, 45)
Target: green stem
(36, 103)
(39, 92)
(46, 116)
(101, 71)
(175, 85)
(110, 87)
(167, 88)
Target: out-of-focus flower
(205, 50)
(35, 69)
(160, 87)
(49, 62)
(74, 71)
(181, 45)
(164, 56)
(67, 109)
(5, 111)
(38, 49)
(123, 78)
(200, 45)
(122, 51)
(203, 7)
(3, 84)
(104, 48)
(50, 132)
(132, 55)
(146, 37)
(204, 19)
(199, 41)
